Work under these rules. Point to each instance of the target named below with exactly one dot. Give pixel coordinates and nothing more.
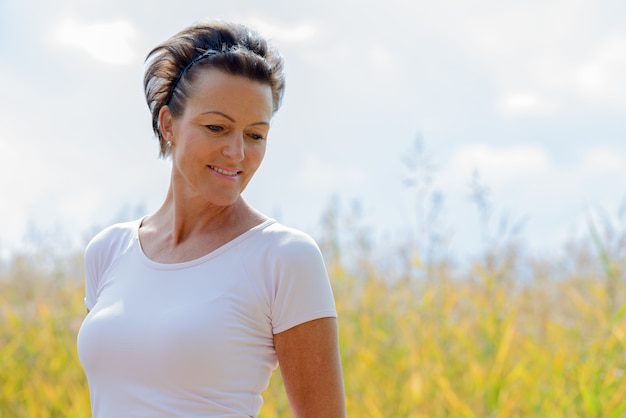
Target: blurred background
(401, 108)
(460, 163)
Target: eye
(214, 128)
(256, 137)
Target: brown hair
(229, 47)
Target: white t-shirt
(194, 339)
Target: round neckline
(202, 259)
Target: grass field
(429, 341)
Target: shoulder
(280, 248)
(111, 241)
(286, 241)
(287, 252)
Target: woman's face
(219, 141)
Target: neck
(190, 216)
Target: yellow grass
(472, 345)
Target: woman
(193, 306)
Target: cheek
(256, 154)
(262, 154)
(189, 148)
(186, 159)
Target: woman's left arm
(308, 356)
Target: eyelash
(214, 128)
(218, 129)
(256, 137)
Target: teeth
(224, 172)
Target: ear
(166, 123)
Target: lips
(224, 172)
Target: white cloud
(497, 166)
(109, 42)
(381, 57)
(530, 104)
(601, 77)
(520, 103)
(552, 52)
(284, 34)
(525, 174)
(602, 161)
(319, 174)
(14, 194)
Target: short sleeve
(101, 252)
(92, 275)
(302, 290)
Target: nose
(234, 147)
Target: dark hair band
(208, 52)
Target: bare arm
(308, 356)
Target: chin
(223, 200)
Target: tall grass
(40, 312)
(426, 341)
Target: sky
(398, 112)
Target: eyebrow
(217, 112)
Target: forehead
(216, 90)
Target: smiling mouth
(224, 172)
